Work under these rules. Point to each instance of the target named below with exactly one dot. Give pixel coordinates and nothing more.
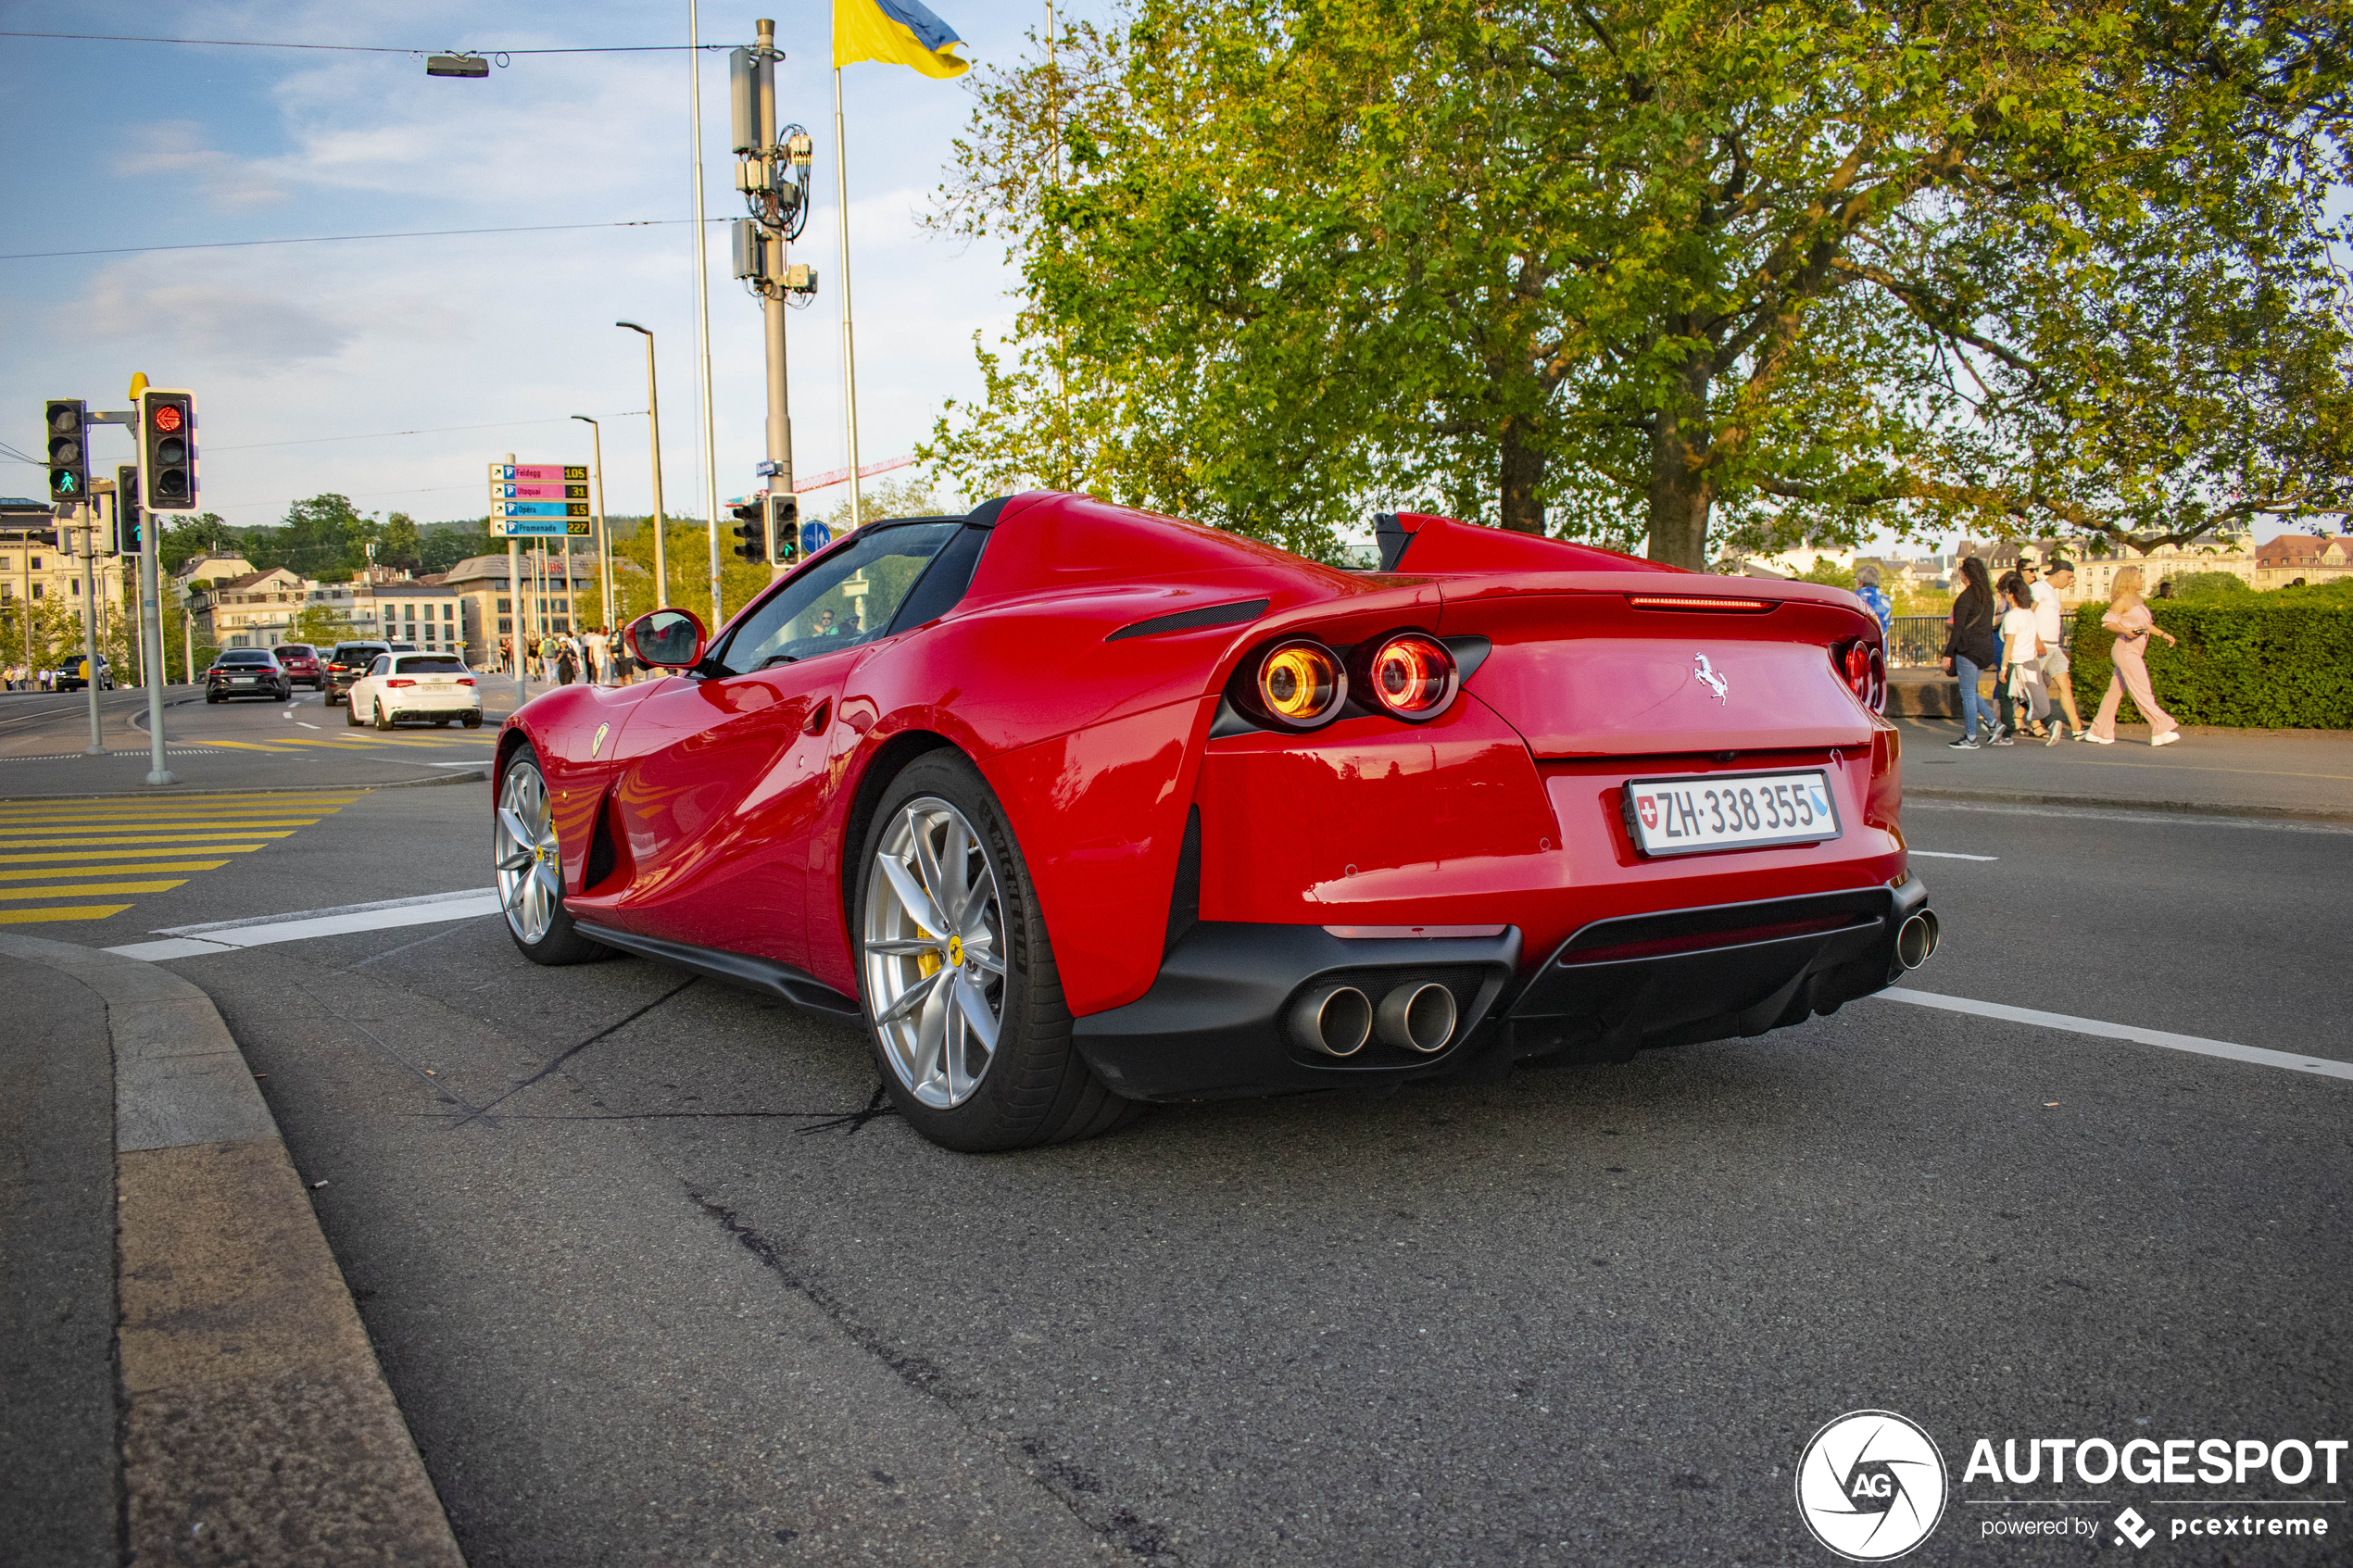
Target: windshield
(357, 653)
(257, 656)
(848, 598)
(415, 663)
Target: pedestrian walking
(567, 667)
(1971, 650)
(2128, 616)
(2021, 683)
(1867, 589)
(596, 645)
(2058, 676)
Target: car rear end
(302, 665)
(246, 673)
(1636, 807)
(435, 686)
(347, 662)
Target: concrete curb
(2119, 803)
(257, 1427)
(476, 773)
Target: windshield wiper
(776, 659)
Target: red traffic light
(168, 416)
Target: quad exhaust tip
(1334, 1019)
(1916, 940)
(1417, 1017)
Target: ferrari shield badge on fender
(1705, 674)
(596, 742)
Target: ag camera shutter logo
(1871, 1485)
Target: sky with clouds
(301, 355)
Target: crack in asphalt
(1056, 1479)
(570, 1052)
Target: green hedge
(2258, 661)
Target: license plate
(243, 680)
(1730, 812)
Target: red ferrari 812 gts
(1072, 807)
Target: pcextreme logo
(1871, 1485)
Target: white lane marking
(228, 936)
(1949, 855)
(2255, 1054)
(2144, 819)
(307, 726)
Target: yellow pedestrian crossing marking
(84, 889)
(215, 849)
(62, 848)
(136, 838)
(144, 868)
(61, 911)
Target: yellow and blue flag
(897, 33)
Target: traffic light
(784, 528)
(751, 531)
(69, 449)
(127, 509)
(168, 450)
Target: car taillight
(465, 680)
(1295, 685)
(1864, 667)
(1407, 675)
(399, 683)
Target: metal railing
(1914, 641)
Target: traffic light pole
(159, 656)
(771, 300)
(97, 746)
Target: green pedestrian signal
(68, 419)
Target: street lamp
(604, 543)
(653, 411)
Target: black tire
(210, 697)
(561, 942)
(383, 720)
(474, 720)
(350, 717)
(1036, 1087)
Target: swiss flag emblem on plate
(1648, 806)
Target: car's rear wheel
(383, 720)
(529, 866)
(964, 1005)
(351, 715)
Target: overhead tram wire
(358, 48)
(431, 430)
(328, 239)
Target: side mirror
(668, 639)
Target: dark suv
(246, 673)
(300, 661)
(347, 663)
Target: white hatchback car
(435, 686)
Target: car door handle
(818, 718)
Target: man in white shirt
(2056, 678)
(599, 656)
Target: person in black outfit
(1970, 648)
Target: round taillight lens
(1298, 684)
(1408, 675)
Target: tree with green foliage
(321, 625)
(2209, 585)
(444, 545)
(182, 538)
(1657, 269)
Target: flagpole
(849, 349)
(702, 313)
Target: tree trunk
(1523, 508)
(1681, 489)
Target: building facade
(487, 605)
(2312, 559)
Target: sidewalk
(2301, 774)
(184, 1377)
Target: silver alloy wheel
(523, 849)
(932, 947)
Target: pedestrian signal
(68, 419)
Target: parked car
(346, 662)
(246, 673)
(301, 663)
(435, 687)
(1071, 808)
(74, 674)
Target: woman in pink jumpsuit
(2128, 616)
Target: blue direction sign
(504, 508)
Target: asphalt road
(655, 1282)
